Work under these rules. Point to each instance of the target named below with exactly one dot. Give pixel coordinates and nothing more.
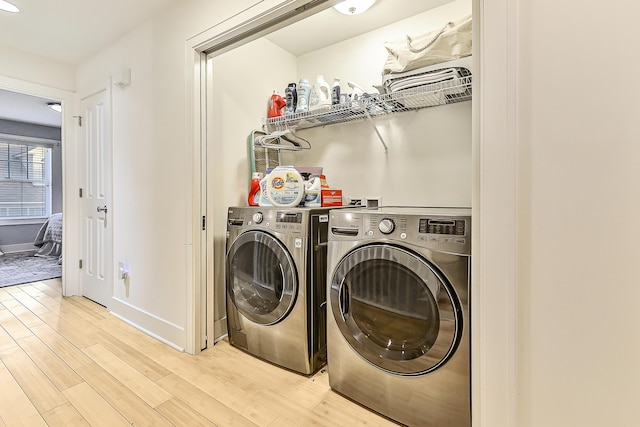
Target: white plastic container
(264, 200)
(303, 90)
(285, 187)
(313, 98)
(312, 195)
(322, 94)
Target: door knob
(102, 209)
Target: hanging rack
(262, 158)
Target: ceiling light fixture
(8, 7)
(354, 7)
(55, 106)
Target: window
(25, 180)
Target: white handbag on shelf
(453, 41)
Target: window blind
(25, 176)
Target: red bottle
(254, 192)
(275, 105)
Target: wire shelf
(369, 106)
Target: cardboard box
(331, 197)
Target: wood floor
(68, 362)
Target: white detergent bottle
(312, 192)
(323, 93)
(304, 90)
(264, 200)
(314, 99)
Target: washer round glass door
(261, 277)
(395, 309)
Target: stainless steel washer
(398, 298)
(276, 284)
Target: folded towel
(443, 76)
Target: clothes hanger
(276, 138)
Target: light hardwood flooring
(68, 362)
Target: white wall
(30, 68)
(578, 209)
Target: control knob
(257, 217)
(386, 226)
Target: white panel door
(95, 140)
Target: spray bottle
(357, 89)
(356, 95)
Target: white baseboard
(161, 329)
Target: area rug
(25, 268)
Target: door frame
(70, 237)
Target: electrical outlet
(373, 202)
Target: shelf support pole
(386, 149)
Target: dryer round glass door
(395, 309)
(261, 279)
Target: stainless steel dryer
(276, 284)
(398, 322)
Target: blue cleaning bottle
(304, 90)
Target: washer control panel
(291, 222)
(288, 221)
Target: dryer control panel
(455, 227)
(434, 228)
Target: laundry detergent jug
(312, 194)
(322, 95)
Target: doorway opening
(217, 126)
(30, 188)
(34, 139)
